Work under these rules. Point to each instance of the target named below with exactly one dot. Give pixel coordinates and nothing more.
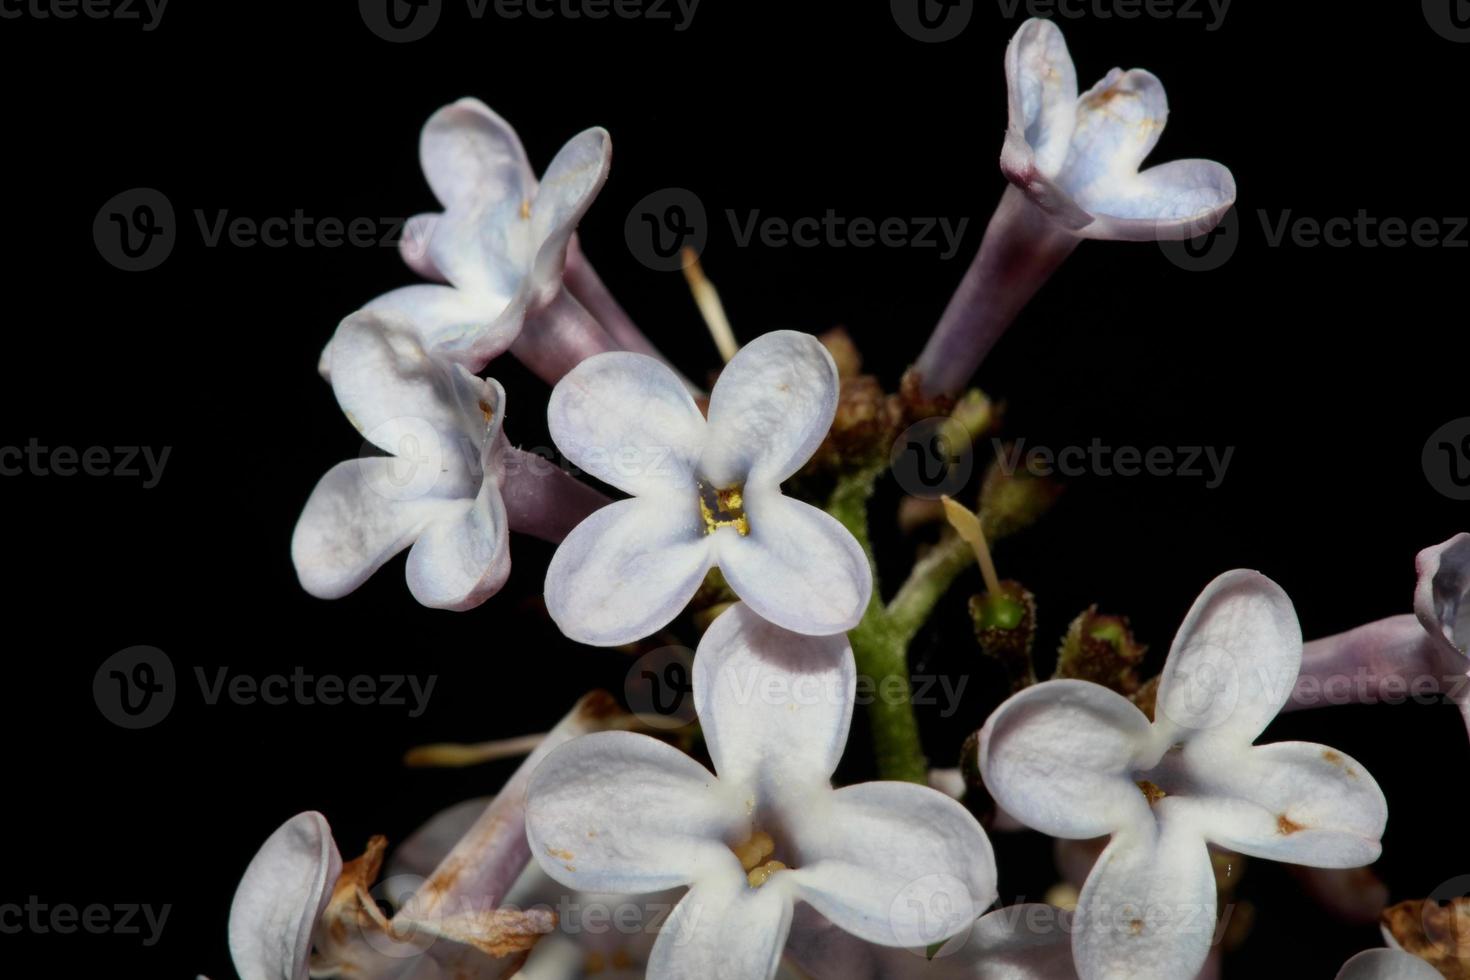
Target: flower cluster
(759, 862)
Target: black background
(1326, 369)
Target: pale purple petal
(774, 706)
(723, 930)
(798, 567)
(623, 812)
(280, 897)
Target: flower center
(1150, 791)
(754, 855)
(723, 507)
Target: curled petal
(723, 930)
(462, 559)
(798, 567)
(1060, 756)
(567, 188)
(627, 570)
(1148, 907)
(1289, 801)
(422, 851)
(283, 892)
(1387, 964)
(628, 421)
(1233, 663)
(770, 409)
(622, 812)
(1442, 596)
(470, 154)
(399, 396)
(892, 863)
(774, 706)
(1041, 85)
(443, 317)
(1174, 201)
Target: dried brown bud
(1101, 649)
(1436, 932)
(1013, 501)
(845, 354)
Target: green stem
(931, 578)
(881, 650)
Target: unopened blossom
(450, 488)
(705, 493)
(1076, 760)
(892, 863)
(499, 247)
(1073, 164)
(1387, 964)
(301, 911)
(1401, 656)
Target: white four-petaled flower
(893, 863)
(1078, 158)
(1387, 964)
(1076, 760)
(704, 493)
(502, 238)
(438, 490)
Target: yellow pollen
(1151, 792)
(723, 507)
(759, 876)
(754, 851)
(525, 210)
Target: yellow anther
(723, 507)
(754, 851)
(525, 209)
(1151, 792)
(758, 876)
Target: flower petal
(1019, 942)
(462, 559)
(1147, 910)
(470, 154)
(448, 319)
(892, 863)
(627, 570)
(1289, 801)
(1041, 86)
(280, 897)
(355, 522)
(627, 420)
(1442, 595)
(1119, 121)
(1174, 201)
(770, 409)
(724, 930)
(798, 567)
(622, 812)
(1060, 757)
(1387, 964)
(567, 189)
(774, 706)
(399, 396)
(413, 245)
(422, 851)
(1233, 663)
